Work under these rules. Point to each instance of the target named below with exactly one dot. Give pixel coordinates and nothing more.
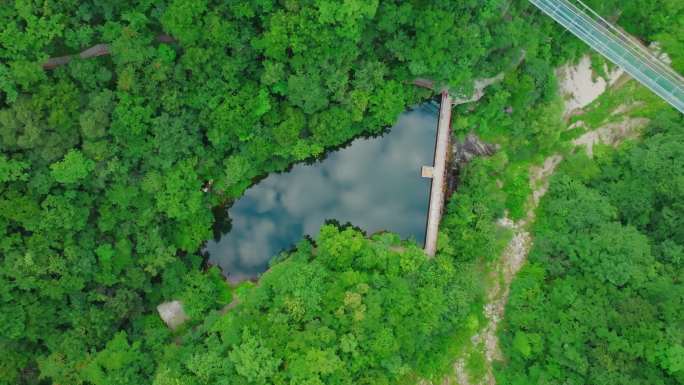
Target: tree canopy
(601, 299)
(110, 167)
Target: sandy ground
(580, 86)
(611, 133)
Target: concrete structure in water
(438, 173)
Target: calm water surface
(374, 183)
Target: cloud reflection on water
(374, 183)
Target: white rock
(172, 314)
(578, 86)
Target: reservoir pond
(373, 183)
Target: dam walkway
(438, 173)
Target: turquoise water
(373, 183)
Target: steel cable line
(617, 47)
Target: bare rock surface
(612, 134)
(172, 314)
(472, 146)
(579, 84)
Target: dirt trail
(511, 261)
(515, 253)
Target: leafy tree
(73, 168)
(599, 300)
(110, 167)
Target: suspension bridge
(615, 45)
(618, 47)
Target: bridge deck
(439, 172)
(617, 47)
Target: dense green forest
(600, 301)
(345, 311)
(104, 163)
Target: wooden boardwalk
(438, 172)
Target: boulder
(172, 314)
